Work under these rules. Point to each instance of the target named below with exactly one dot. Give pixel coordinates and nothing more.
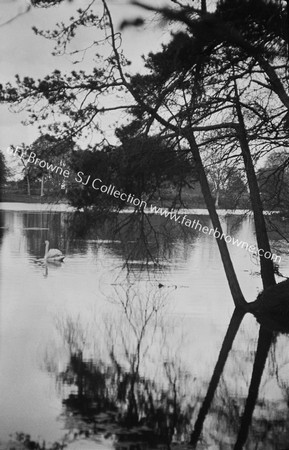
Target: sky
(24, 53)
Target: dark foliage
(141, 166)
(128, 399)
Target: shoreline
(64, 207)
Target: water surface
(63, 325)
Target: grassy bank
(167, 197)
(12, 197)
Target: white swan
(53, 254)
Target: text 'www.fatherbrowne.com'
(196, 225)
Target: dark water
(119, 343)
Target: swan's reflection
(44, 265)
(50, 264)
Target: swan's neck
(46, 249)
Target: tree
(236, 192)
(209, 84)
(247, 51)
(274, 181)
(225, 177)
(141, 165)
(147, 163)
(90, 165)
(51, 153)
(22, 166)
(54, 152)
(4, 172)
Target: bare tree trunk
(42, 186)
(236, 292)
(287, 10)
(204, 6)
(28, 185)
(267, 268)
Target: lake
(126, 333)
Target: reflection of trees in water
(235, 223)
(138, 382)
(37, 227)
(278, 228)
(233, 328)
(134, 383)
(263, 346)
(141, 390)
(120, 383)
(2, 226)
(144, 238)
(238, 418)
